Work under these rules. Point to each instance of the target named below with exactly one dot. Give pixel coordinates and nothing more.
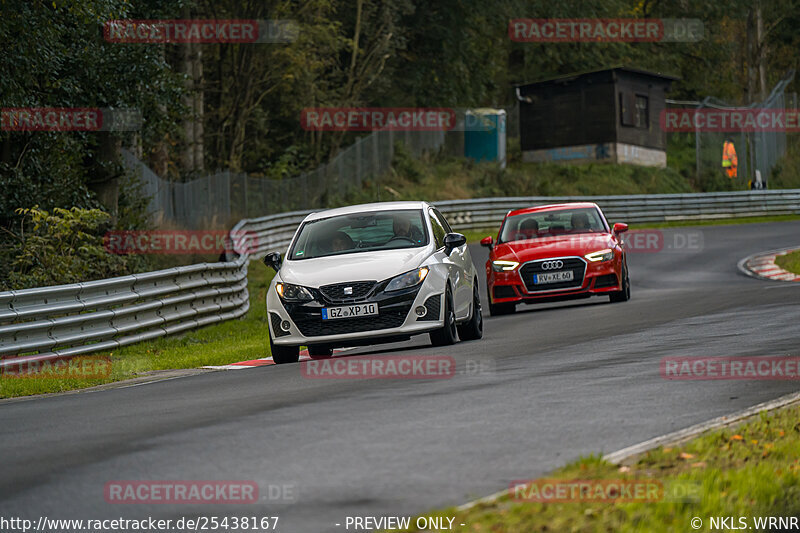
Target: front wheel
(625, 294)
(447, 334)
(284, 354)
(473, 330)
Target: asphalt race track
(556, 382)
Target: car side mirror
(619, 227)
(452, 241)
(487, 242)
(273, 260)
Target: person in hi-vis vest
(729, 160)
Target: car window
(438, 214)
(438, 230)
(360, 232)
(551, 223)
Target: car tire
(320, 351)
(284, 354)
(625, 294)
(473, 329)
(502, 309)
(447, 334)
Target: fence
(67, 320)
(218, 200)
(757, 151)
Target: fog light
(421, 311)
(285, 325)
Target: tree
(64, 62)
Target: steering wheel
(399, 237)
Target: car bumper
(396, 318)
(598, 279)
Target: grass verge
(748, 471)
(790, 262)
(220, 344)
(717, 222)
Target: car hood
(560, 246)
(363, 266)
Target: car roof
(360, 208)
(551, 207)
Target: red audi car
(555, 252)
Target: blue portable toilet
(485, 135)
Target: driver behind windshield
(528, 229)
(580, 221)
(340, 241)
(403, 229)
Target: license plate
(350, 311)
(553, 277)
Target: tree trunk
(756, 55)
(187, 155)
(159, 156)
(761, 52)
(752, 46)
(107, 173)
(199, 102)
(192, 66)
(5, 153)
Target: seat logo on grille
(348, 291)
(552, 265)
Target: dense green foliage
(54, 55)
(61, 246)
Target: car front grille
(530, 269)
(335, 293)
(388, 318)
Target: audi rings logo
(552, 265)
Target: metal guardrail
(67, 320)
(633, 209)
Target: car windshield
(551, 223)
(360, 232)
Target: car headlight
(293, 293)
(499, 266)
(600, 255)
(409, 279)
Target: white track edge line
(669, 438)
